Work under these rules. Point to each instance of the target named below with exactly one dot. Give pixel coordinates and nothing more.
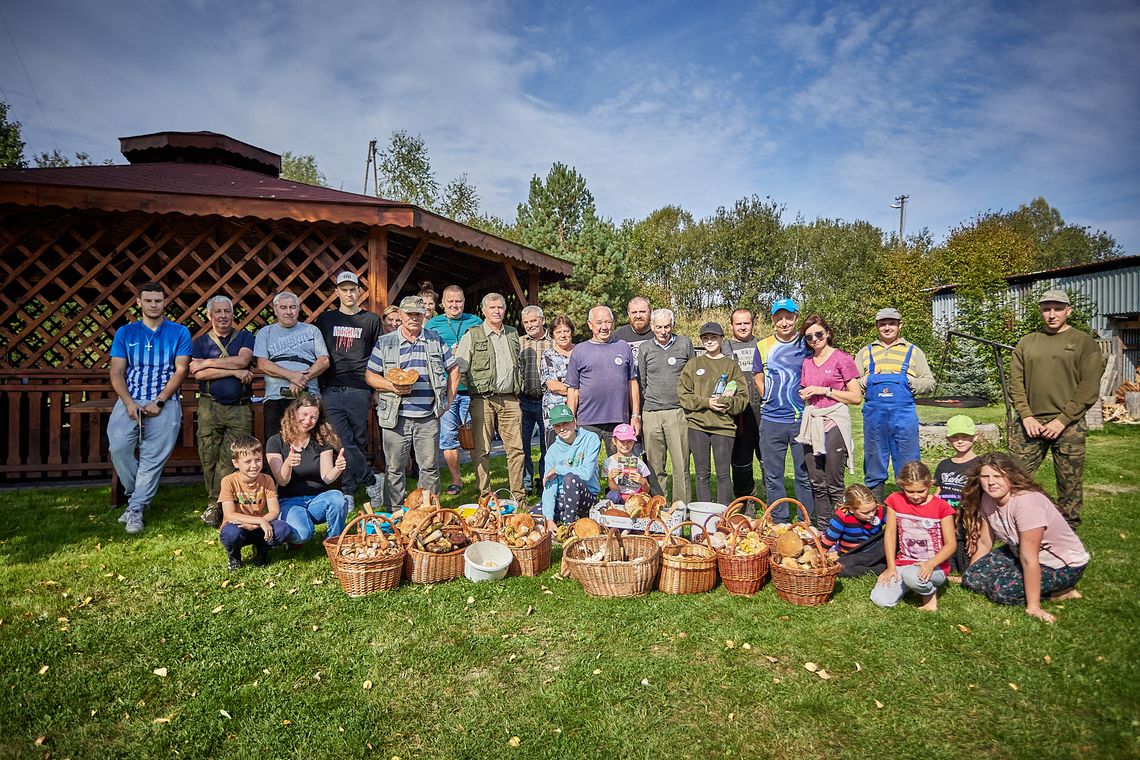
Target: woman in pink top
(829, 384)
(1042, 555)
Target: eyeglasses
(814, 336)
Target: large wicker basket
(533, 559)
(807, 587)
(365, 575)
(686, 568)
(766, 520)
(429, 567)
(741, 575)
(629, 568)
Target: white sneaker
(349, 503)
(134, 522)
(123, 517)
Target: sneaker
(213, 516)
(349, 503)
(376, 493)
(235, 563)
(260, 555)
(134, 522)
(123, 517)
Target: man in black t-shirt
(350, 334)
(638, 330)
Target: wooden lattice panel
(69, 278)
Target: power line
(31, 86)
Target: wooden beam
(378, 269)
(406, 272)
(532, 287)
(514, 279)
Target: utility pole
(900, 204)
(370, 163)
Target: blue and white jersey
(150, 355)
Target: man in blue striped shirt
(149, 360)
(409, 415)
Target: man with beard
(742, 347)
(638, 330)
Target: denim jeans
(234, 537)
(890, 594)
(531, 417)
(775, 440)
(347, 410)
(459, 411)
(302, 512)
(140, 475)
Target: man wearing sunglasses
(1054, 378)
(892, 371)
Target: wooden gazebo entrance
(203, 214)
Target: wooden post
(1132, 404)
(532, 287)
(378, 268)
(516, 286)
(406, 272)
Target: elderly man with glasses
(291, 355)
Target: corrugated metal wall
(1115, 292)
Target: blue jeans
(140, 475)
(890, 594)
(234, 537)
(775, 440)
(347, 410)
(532, 416)
(459, 410)
(302, 512)
(889, 435)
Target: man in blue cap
(893, 371)
(777, 366)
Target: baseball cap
(713, 328)
(888, 313)
(1054, 295)
(624, 432)
(960, 424)
(347, 277)
(786, 304)
(413, 304)
(560, 413)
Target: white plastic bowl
(702, 511)
(482, 553)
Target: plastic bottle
(720, 384)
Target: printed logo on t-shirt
(744, 358)
(346, 335)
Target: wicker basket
(662, 521)
(533, 559)
(766, 520)
(363, 576)
(686, 568)
(741, 576)
(490, 531)
(429, 567)
(806, 587)
(466, 436)
(632, 574)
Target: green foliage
(1057, 243)
(11, 146)
(405, 171)
(969, 370)
(460, 200)
(557, 212)
(56, 160)
(658, 246)
(301, 167)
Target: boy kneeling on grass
(251, 514)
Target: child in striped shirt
(855, 533)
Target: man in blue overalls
(893, 371)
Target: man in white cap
(893, 370)
(408, 415)
(1054, 378)
(350, 333)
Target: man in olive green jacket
(1054, 379)
(489, 360)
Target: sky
(832, 110)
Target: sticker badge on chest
(618, 360)
(700, 371)
(672, 361)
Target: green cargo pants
(218, 426)
(1068, 463)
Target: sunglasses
(814, 336)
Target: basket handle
(371, 517)
(446, 516)
(613, 546)
(786, 500)
(679, 539)
(740, 501)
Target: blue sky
(832, 110)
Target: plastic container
(486, 561)
(699, 512)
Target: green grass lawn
(275, 661)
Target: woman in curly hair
(1042, 556)
(306, 460)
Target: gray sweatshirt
(658, 370)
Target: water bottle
(720, 384)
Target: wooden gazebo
(203, 214)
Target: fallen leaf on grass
(810, 667)
(1014, 686)
(557, 731)
(225, 715)
(515, 741)
(858, 667)
(318, 581)
(731, 716)
(746, 645)
(1048, 660)
(729, 644)
(265, 671)
(86, 601)
(120, 577)
(548, 591)
(162, 720)
(775, 680)
(823, 674)
(963, 628)
(43, 669)
(597, 671)
(879, 704)
(40, 740)
(286, 722)
(530, 609)
(217, 609)
(177, 552)
(225, 583)
(367, 685)
(771, 659)
(644, 681)
(682, 635)
(471, 600)
(160, 672)
(316, 628)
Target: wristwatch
(827, 393)
(159, 403)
